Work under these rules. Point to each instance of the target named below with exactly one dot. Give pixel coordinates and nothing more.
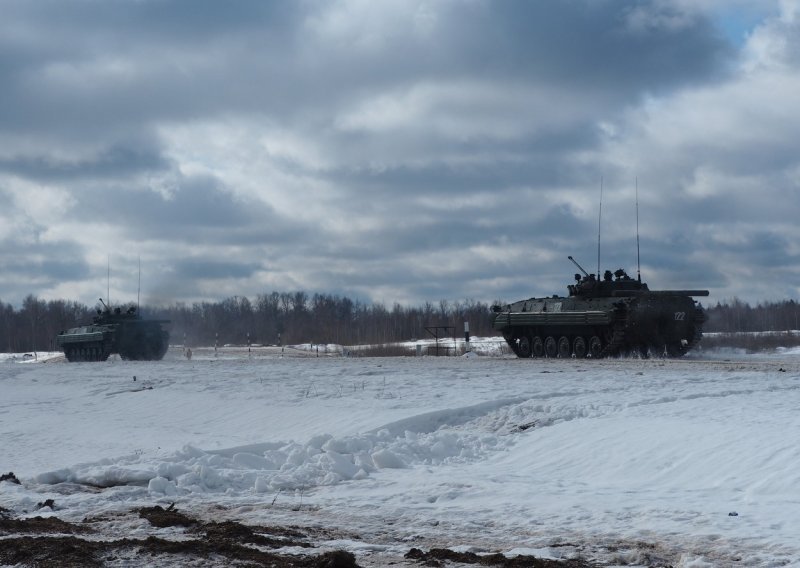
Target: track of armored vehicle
(115, 331)
(615, 316)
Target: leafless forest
(299, 317)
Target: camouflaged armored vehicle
(115, 331)
(617, 315)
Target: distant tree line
(298, 317)
(274, 318)
(35, 325)
(736, 316)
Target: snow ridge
(455, 435)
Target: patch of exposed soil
(226, 530)
(49, 541)
(231, 530)
(439, 557)
(40, 525)
(221, 543)
(66, 551)
(162, 518)
(72, 552)
(10, 477)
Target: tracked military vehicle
(617, 315)
(115, 331)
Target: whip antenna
(638, 257)
(139, 287)
(599, 220)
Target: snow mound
(457, 435)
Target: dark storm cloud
(597, 45)
(416, 231)
(540, 169)
(118, 53)
(762, 250)
(120, 62)
(24, 266)
(46, 265)
(112, 161)
(192, 269)
(197, 211)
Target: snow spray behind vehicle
(117, 331)
(615, 316)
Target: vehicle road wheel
(550, 346)
(579, 347)
(564, 350)
(675, 350)
(537, 347)
(524, 346)
(595, 346)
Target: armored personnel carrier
(615, 316)
(115, 331)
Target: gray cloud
(29, 264)
(195, 210)
(109, 162)
(404, 151)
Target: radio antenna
(599, 220)
(638, 257)
(108, 278)
(139, 286)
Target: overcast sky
(396, 150)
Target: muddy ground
(50, 541)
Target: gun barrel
(681, 292)
(623, 293)
(575, 262)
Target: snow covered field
(692, 462)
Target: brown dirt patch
(49, 541)
(163, 518)
(233, 531)
(40, 525)
(439, 557)
(67, 551)
(223, 543)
